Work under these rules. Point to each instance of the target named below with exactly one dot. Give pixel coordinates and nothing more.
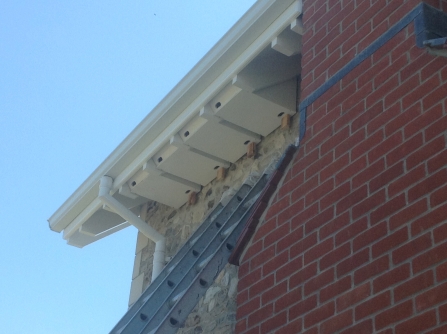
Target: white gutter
(104, 196)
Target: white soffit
(252, 72)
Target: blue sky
(75, 78)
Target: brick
(334, 225)
(334, 167)
(291, 211)
(366, 116)
(321, 119)
(295, 326)
(279, 206)
(432, 218)
(350, 171)
(268, 226)
(317, 166)
(273, 323)
(315, 141)
(262, 257)
(289, 268)
(403, 150)
(302, 217)
(249, 279)
(319, 220)
(387, 209)
(319, 281)
(333, 196)
(427, 185)
(274, 292)
(247, 308)
(261, 286)
(319, 192)
(410, 84)
(303, 275)
(319, 314)
(335, 289)
(425, 152)
(391, 277)
(412, 248)
(338, 137)
(302, 190)
(276, 234)
(394, 315)
(417, 95)
(353, 198)
(254, 249)
(241, 326)
(431, 297)
(403, 119)
(406, 181)
(368, 204)
(367, 174)
(440, 233)
(363, 147)
(389, 83)
(350, 231)
(438, 197)
(352, 262)
(437, 162)
(336, 323)
(303, 245)
(381, 120)
(290, 185)
(369, 236)
(417, 324)
(353, 297)
(441, 272)
(364, 327)
(242, 297)
(290, 239)
(349, 115)
(429, 258)
(319, 250)
(439, 330)
(373, 305)
(275, 263)
(335, 256)
(408, 214)
(443, 313)
(436, 128)
(372, 269)
(386, 177)
(302, 307)
(347, 144)
(289, 299)
(413, 286)
(260, 315)
(390, 242)
(244, 269)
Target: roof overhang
(252, 68)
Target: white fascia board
(254, 31)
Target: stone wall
(216, 311)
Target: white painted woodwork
(161, 187)
(248, 110)
(212, 135)
(183, 161)
(287, 42)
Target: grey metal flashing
(430, 24)
(414, 14)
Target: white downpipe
(105, 186)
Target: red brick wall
(355, 240)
